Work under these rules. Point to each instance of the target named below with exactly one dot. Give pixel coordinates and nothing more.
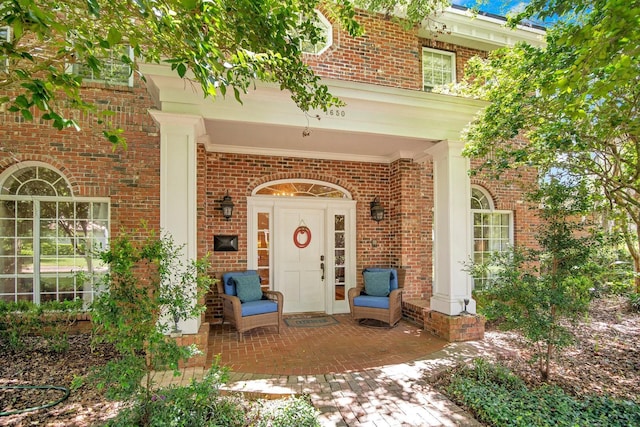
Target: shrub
(535, 290)
(200, 404)
(52, 320)
(634, 301)
(500, 398)
(146, 289)
(290, 412)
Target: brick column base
(464, 327)
(414, 310)
(201, 340)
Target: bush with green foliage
(146, 286)
(498, 398)
(200, 404)
(52, 320)
(535, 290)
(634, 302)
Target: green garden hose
(36, 408)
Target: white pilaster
(178, 197)
(452, 239)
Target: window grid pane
(491, 234)
(437, 68)
(339, 257)
(114, 70)
(264, 249)
(69, 239)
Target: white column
(178, 197)
(452, 231)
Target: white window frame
(429, 86)
(71, 69)
(7, 39)
(490, 211)
(37, 275)
(328, 42)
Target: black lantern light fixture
(227, 206)
(377, 211)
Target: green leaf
(27, 115)
(114, 36)
(94, 7)
(189, 4)
(181, 69)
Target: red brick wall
(385, 55)
(405, 190)
(130, 177)
(363, 180)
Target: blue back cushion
(376, 283)
(393, 278)
(248, 288)
(230, 284)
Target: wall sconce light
(377, 211)
(227, 206)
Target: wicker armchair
(247, 315)
(387, 309)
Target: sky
(497, 7)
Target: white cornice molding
(404, 122)
(274, 152)
(481, 31)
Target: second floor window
(324, 27)
(114, 70)
(438, 68)
(5, 36)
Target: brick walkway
(355, 375)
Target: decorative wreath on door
(303, 230)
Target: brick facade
(386, 55)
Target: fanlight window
(302, 189)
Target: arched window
(301, 188)
(492, 230)
(47, 236)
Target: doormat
(310, 322)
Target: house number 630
(336, 113)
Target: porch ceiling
(377, 124)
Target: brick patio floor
(355, 375)
(343, 347)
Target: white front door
(297, 271)
(300, 273)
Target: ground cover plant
(52, 320)
(498, 397)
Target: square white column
(452, 231)
(179, 135)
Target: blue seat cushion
(371, 301)
(230, 284)
(393, 276)
(262, 306)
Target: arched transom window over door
(48, 236)
(492, 231)
(302, 188)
